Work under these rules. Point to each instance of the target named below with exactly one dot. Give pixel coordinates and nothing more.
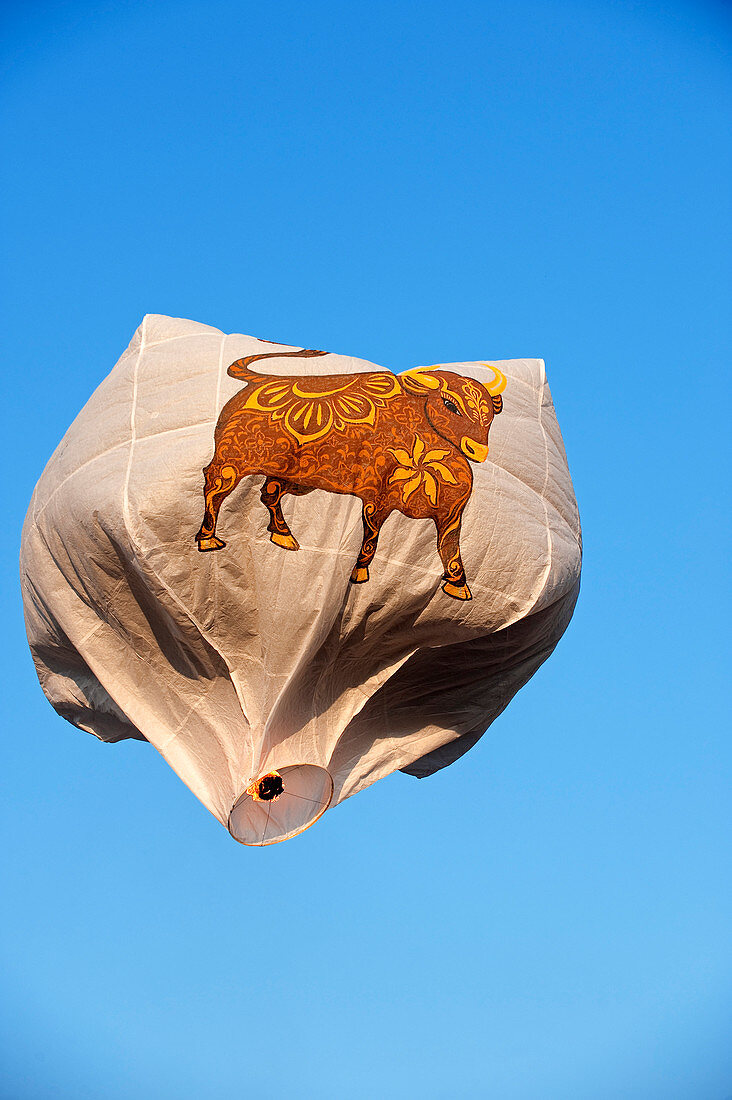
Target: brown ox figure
(398, 442)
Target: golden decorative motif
(477, 403)
(312, 407)
(421, 468)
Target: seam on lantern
(245, 709)
(182, 336)
(206, 636)
(169, 431)
(215, 564)
(88, 636)
(80, 646)
(38, 509)
(550, 543)
(133, 417)
(536, 492)
(184, 722)
(306, 653)
(218, 332)
(385, 560)
(220, 377)
(117, 447)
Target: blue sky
(551, 917)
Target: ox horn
(498, 384)
(419, 380)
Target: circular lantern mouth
(281, 804)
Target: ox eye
(450, 406)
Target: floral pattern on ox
(400, 443)
(311, 408)
(420, 469)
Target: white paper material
(250, 658)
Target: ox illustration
(398, 442)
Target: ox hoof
(287, 542)
(457, 591)
(210, 543)
(359, 574)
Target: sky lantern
(295, 572)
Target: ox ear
(497, 403)
(419, 381)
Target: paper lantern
(353, 585)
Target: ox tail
(240, 369)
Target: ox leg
(220, 480)
(280, 534)
(372, 521)
(448, 545)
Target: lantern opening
(267, 788)
(270, 787)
